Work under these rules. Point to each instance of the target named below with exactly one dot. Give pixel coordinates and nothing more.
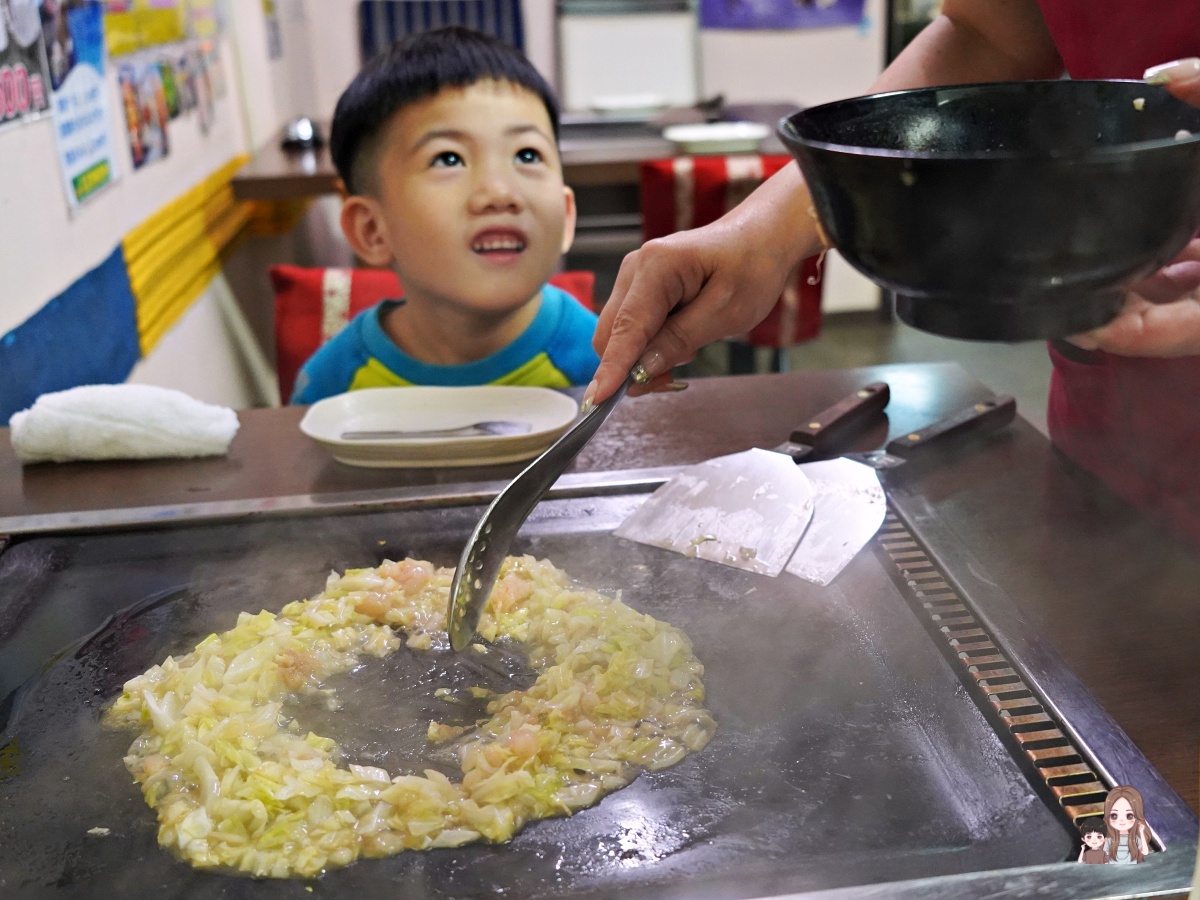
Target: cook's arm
(683, 291)
(1161, 316)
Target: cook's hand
(1161, 315)
(680, 292)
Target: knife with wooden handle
(979, 418)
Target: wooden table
(1117, 598)
(593, 154)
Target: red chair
(314, 304)
(689, 191)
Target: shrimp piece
(511, 590)
(523, 742)
(411, 574)
(295, 668)
(374, 605)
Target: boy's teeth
(499, 245)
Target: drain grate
(998, 682)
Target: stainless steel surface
(1108, 748)
(788, 799)
(572, 484)
(1165, 874)
(495, 428)
(492, 537)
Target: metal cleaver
(749, 509)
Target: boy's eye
(529, 155)
(447, 158)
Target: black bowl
(1004, 211)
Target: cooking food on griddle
(236, 784)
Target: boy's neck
(439, 335)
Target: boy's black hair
(1093, 823)
(414, 68)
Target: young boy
(1094, 833)
(448, 149)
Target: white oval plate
(548, 414)
(718, 137)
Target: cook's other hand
(685, 290)
(1161, 315)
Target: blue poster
(780, 14)
(82, 125)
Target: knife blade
(979, 418)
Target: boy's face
(468, 203)
(1094, 840)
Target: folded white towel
(120, 421)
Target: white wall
(335, 58)
(805, 67)
(276, 90)
(44, 249)
(212, 355)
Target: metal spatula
(850, 501)
(748, 510)
(493, 536)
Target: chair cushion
(314, 304)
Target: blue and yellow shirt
(554, 351)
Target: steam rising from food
(236, 784)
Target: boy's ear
(365, 230)
(569, 221)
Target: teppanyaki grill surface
(847, 750)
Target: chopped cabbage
(235, 785)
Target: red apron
(1135, 423)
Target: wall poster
(205, 18)
(780, 14)
(144, 99)
(24, 68)
(82, 126)
(163, 84)
(132, 25)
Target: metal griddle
(859, 747)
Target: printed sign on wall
(779, 14)
(132, 25)
(82, 127)
(146, 109)
(24, 69)
(204, 18)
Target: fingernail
(648, 368)
(1177, 70)
(589, 399)
(677, 386)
